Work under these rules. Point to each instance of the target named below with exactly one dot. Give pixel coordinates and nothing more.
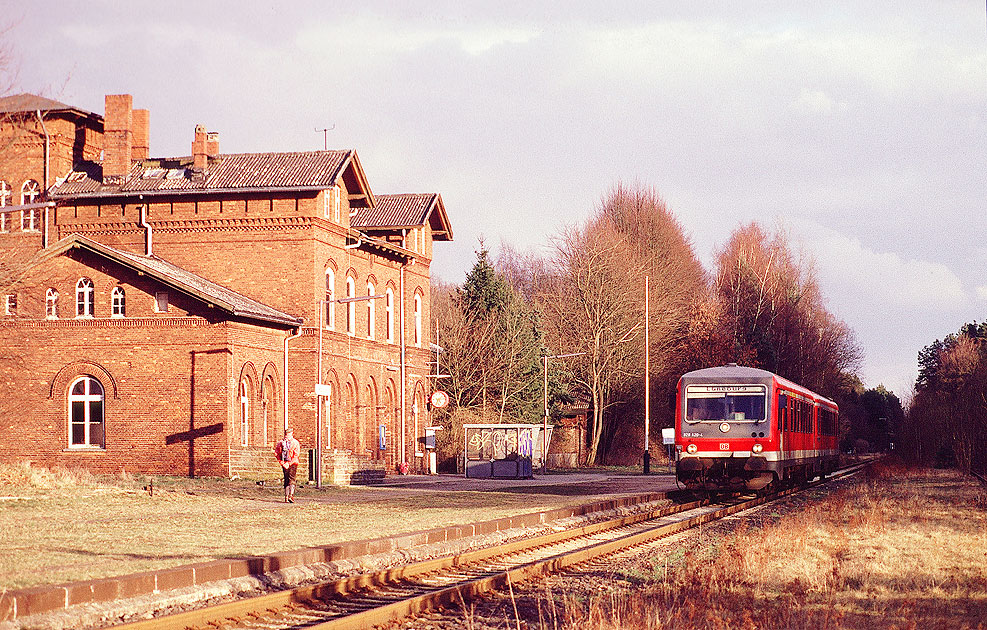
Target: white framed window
(161, 302)
(84, 291)
(418, 320)
(4, 221)
(30, 191)
(6, 194)
(330, 299)
(86, 414)
(29, 220)
(244, 414)
(51, 303)
(371, 311)
(119, 299)
(333, 203)
(350, 306)
(389, 308)
(10, 304)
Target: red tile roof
(407, 210)
(238, 171)
(32, 103)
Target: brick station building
(173, 315)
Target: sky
(859, 128)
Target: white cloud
(884, 278)
(816, 102)
(982, 292)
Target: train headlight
(757, 448)
(691, 449)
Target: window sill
(84, 449)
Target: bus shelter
(503, 451)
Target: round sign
(440, 399)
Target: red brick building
(173, 315)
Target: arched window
(30, 191)
(418, 320)
(244, 413)
(6, 195)
(350, 306)
(371, 311)
(119, 302)
(84, 298)
(86, 413)
(330, 299)
(389, 307)
(51, 304)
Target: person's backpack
(286, 450)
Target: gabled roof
(176, 278)
(24, 103)
(236, 172)
(405, 211)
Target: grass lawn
(902, 549)
(59, 526)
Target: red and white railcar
(745, 428)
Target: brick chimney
(212, 144)
(200, 149)
(117, 137)
(141, 134)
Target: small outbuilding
(504, 451)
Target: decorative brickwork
(168, 309)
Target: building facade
(173, 315)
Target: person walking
(287, 451)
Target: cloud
(885, 279)
(816, 102)
(982, 292)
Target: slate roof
(407, 210)
(32, 102)
(175, 277)
(225, 172)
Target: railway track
(370, 599)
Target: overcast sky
(860, 127)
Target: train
(745, 429)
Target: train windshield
(725, 403)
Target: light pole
(544, 424)
(647, 381)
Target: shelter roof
(175, 277)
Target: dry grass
(905, 549)
(63, 525)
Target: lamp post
(544, 424)
(647, 381)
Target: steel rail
(303, 602)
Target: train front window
(725, 403)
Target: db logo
(724, 446)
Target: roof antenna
(325, 136)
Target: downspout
(44, 130)
(147, 228)
(284, 377)
(404, 371)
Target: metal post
(544, 424)
(647, 380)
